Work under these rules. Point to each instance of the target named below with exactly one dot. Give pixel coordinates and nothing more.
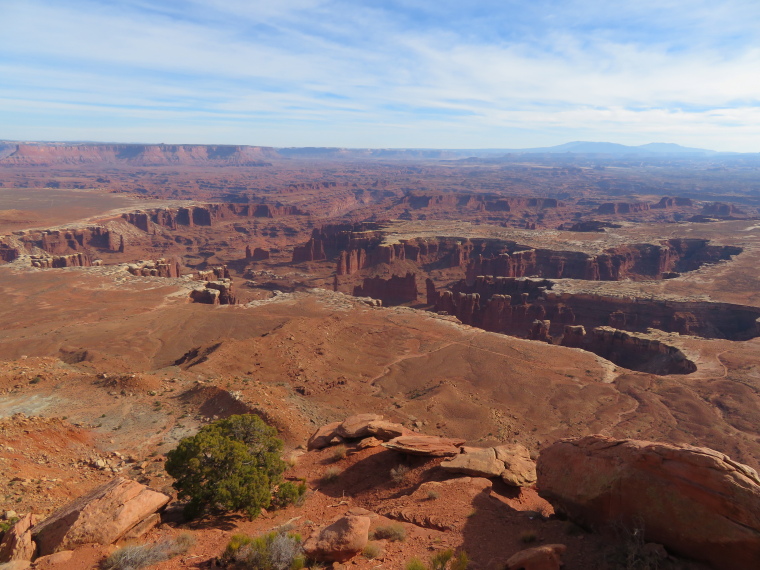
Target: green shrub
(288, 493)
(415, 564)
(371, 551)
(229, 465)
(272, 551)
(139, 556)
(392, 532)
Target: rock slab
(695, 501)
(102, 516)
(428, 445)
(340, 541)
(546, 557)
(17, 543)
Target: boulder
(357, 426)
(340, 541)
(519, 468)
(368, 442)
(693, 500)
(547, 557)
(386, 430)
(102, 516)
(59, 559)
(479, 462)
(16, 565)
(321, 438)
(17, 542)
(429, 445)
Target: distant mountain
(585, 147)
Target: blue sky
(382, 73)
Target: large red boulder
(102, 516)
(694, 500)
(17, 542)
(429, 445)
(340, 541)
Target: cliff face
(64, 242)
(392, 291)
(477, 202)
(206, 215)
(139, 155)
(510, 305)
(635, 261)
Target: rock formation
(428, 445)
(206, 215)
(102, 516)
(392, 291)
(17, 542)
(510, 462)
(695, 501)
(58, 261)
(545, 557)
(157, 268)
(257, 254)
(340, 541)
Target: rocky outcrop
(257, 254)
(205, 215)
(635, 261)
(428, 445)
(477, 202)
(17, 542)
(510, 462)
(66, 242)
(675, 202)
(59, 261)
(8, 253)
(546, 557)
(511, 305)
(355, 427)
(622, 207)
(102, 516)
(340, 541)
(217, 288)
(392, 291)
(722, 210)
(693, 500)
(157, 268)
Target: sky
(382, 73)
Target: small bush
(371, 551)
(461, 562)
(288, 493)
(273, 551)
(415, 564)
(440, 559)
(143, 555)
(393, 532)
(528, 537)
(330, 475)
(433, 495)
(5, 526)
(399, 474)
(339, 452)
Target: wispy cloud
(382, 73)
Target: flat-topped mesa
(635, 261)
(256, 254)
(674, 202)
(328, 241)
(63, 242)
(156, 268)
(392, 291)
(60, 261)
(477, 202)
(622, 207)
(139, 155)
(510, 305)
(206, 215)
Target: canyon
(488, 301)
